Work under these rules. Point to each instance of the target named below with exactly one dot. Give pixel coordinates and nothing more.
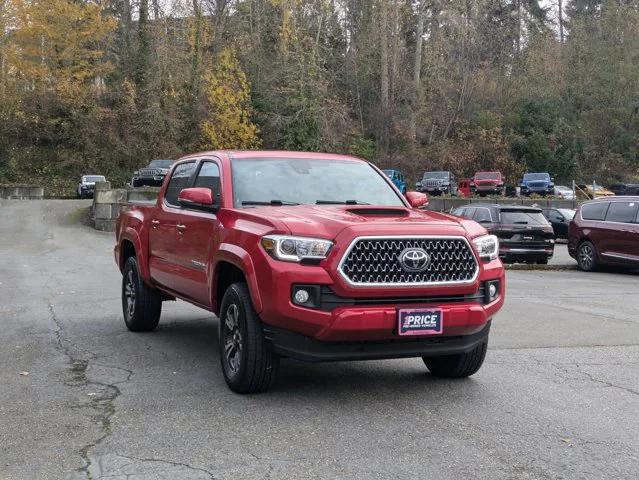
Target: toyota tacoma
(317, 257)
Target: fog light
(491, 291)
(301, 297)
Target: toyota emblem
(414, 259)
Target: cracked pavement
(557, 397)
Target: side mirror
(416, 199)
(198, 199)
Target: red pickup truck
(313, 256)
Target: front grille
(431, 183)
(375, 261)
(537, 185)
(149, 172)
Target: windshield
(536, 176)
(567, 213)
(161, 163)
(388, 173)
(488, 176)
(286, 181)
(435, 175)
(93, 178)
(522, 217)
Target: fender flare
(240, 258)
(132, 235)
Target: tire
(542, 261)
(248, 364)
(141, 304)
(587, 257)
(461, 365)
(135, 183)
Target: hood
(487, 181)
(328, 221)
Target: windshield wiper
(340, 202)
(275, 203)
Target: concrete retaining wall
(107, 203)
(21, 192)
(448, 204)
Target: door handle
(155, 223)
(180, 228)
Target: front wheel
(249, 366)
(587, 257)
(141, 304)
(460, 365)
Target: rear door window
(623, 212)
(179, 181)
(594, 211)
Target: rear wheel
(542, 261)
(141, 304)
(587, 257)
(460, 365)
(249, 366)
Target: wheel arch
(234, 265)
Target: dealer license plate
(420, 321)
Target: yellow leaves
(59, 43)
(227, 89)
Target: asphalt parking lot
(82, 397)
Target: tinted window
(179, 181)
(522, 217)
(594, 211)
(622, 212)
(435, 175)
(482, 215)
(209, 177)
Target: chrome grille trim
(149, 172)
(408, 238)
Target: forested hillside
(103, 86)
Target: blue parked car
(539, 183)
(397, 178)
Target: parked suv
(605, 231)
(487, 183)
(536, 183)
(152, 175)
(86, 187)
(436, 183)
(559, 218)
(624, 189)
(317, 257)
(397, 178)
(523, 232)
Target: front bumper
(526, 251)
(367, 314)
(305, 348)
(154, 181)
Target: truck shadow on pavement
(194, 343)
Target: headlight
(295, 249)
(487, 247)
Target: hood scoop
(379, 211)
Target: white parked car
(86, 187)
(564, 192)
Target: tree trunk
(417, 70)
(384, 79)
(561, 21)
